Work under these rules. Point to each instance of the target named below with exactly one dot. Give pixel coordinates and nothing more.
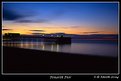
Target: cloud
(60, 33)
(37, 30)
(6, 29)
(90, 32)
(75, 26)
(93, 32)
(9, 14)
(31, 21)
(37, 33)
(13, 15)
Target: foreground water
(100, 48)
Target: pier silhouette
(18, 37)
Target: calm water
(100, 48)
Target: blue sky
(100, 16)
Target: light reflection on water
(101, 49)
(50, 46)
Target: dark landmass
(74, 36)
(18, 60)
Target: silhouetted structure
(63, 40)
(59, 40)
(17, 37)
(11, 36)
(61, 36)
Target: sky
(60, 17)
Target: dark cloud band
(90, 32)
(6, 29)
(37, 30)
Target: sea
(77, 46)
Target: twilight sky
(71, 18)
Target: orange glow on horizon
(23, 29)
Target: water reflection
(50, 46)
(100, 49)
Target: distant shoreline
(18, 60)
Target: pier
(18, 37)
